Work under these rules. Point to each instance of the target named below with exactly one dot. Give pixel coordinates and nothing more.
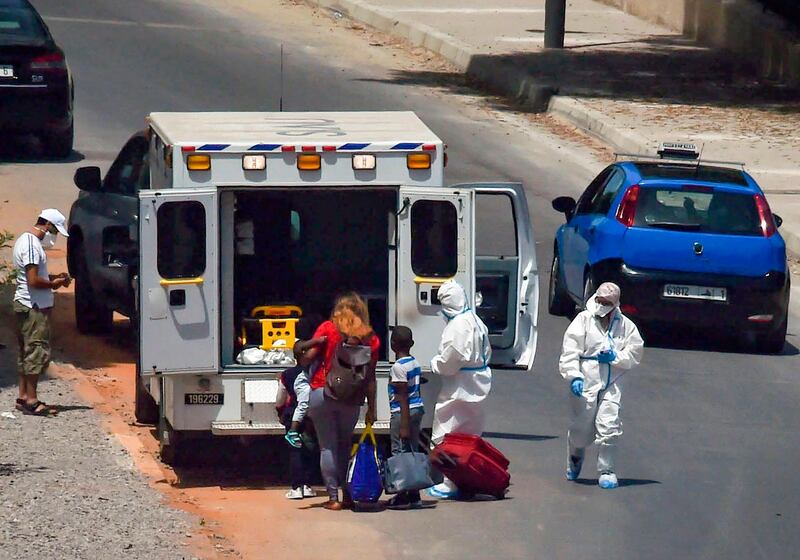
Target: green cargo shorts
(33, 337)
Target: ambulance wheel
(146, 408)
(91, 317)
(174, 452)
(559, 302)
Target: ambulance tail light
(626, 213)
(254, 162)
(418, 161)
(309, 162)
(364, 161)
(198, 162)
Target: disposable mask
(49, 240)
(603, 310)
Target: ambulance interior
(303, 247)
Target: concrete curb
(598, 125)
(498, 76)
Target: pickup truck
(102, 252)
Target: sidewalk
(629, 82)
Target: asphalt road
(708, 459)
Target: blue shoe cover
(442, 492)
(608, 481)
(574, 468)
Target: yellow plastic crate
(277, 322)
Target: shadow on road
(622, 482)
(706, 341)
(667, 69)
(29, 149)
(521, 437)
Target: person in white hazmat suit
(463, 363)
(600, 345)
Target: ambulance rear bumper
(241, 428)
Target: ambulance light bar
(419, 160)
(363, 161)
(198, 162)
(254, 162)
(309, 162)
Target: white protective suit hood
(453, 299)
(608, 291)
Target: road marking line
(155, 25)
(90, 20)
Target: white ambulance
(269, 216)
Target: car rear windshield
(19, 26)
(705, 173)
(688, 209)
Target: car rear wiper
(674, 225)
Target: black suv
(102, 251)
(36, 89)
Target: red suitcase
(473, 464)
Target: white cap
(57, 219)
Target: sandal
(38, 409)
(333, 505)
(20, 405)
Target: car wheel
(59, 144)
(773, 341)
(589, 288)
(146, 409)
(558, 300)
(91, 317)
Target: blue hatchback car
(690, 243)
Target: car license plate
(6, 71)
(203, 398)
(695, 292)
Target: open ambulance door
(178, 289)
(433, 245)
(506, 277)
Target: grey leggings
(334, 422)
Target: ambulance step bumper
(240, 428)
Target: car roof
(693, 173)
(16, 4)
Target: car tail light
(765, 318)
(629, 309)
(765, 220)
(50, 62)
(627, 208)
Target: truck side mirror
(88, 178)
(778, 220)
(565, 205)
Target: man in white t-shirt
(33, 301)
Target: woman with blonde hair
(335, 418)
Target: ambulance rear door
(506, 277)
(433, 245)
(179, 293)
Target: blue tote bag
(364, 472)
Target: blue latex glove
(294, 439)
(577, 387)
(606, 356)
